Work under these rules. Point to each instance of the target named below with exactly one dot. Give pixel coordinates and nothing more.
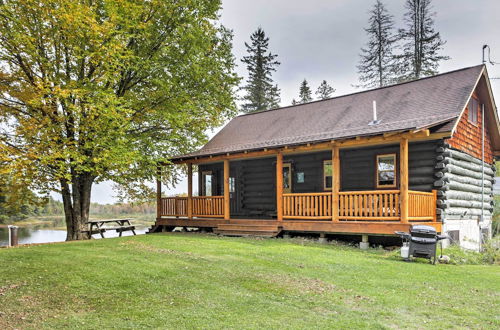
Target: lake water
(47, 234)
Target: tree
(261, 92)
(305, 94)
(106, 89)
(376, 66)
(324, 90)
(422, 43)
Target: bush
(495, 227)
(489, 255)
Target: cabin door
(287, 178)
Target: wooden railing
(373, 205)
(307, 205)
(369, 205)
(203, 206)
(208, 206)
(174, 206)
(421, 205)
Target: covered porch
(337, 210)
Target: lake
(48, 233)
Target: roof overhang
(421, 134)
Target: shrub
(490, 254)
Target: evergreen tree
(261, 92)
(420, 56)
(377, 61)
(305, 94)
(324, 90)
(294, 102)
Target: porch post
(403, 178)
(226, 190)
(335, 182)
(279, 186)
(190, 191)
(158, 191)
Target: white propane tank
(405, 250)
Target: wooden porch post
(158, 191)
(279, 186)
(190, 191)
(226, 190)
(403, 178)
(335, 182)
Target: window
(287, 178)
(473, 110)
(327, 175)
(206, 183)
(232, 184)
(386, 171)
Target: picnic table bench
(99, 226)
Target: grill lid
(422, 230)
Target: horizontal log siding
(358, 166)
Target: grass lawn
(201, 281)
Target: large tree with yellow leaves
(94, 90)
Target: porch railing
(373, 205)
(369, 205)
(203, 206)
(174, 206)
(208, 206)
(307, 205)
(421, 205)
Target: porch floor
(305, 226)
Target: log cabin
(368, 163)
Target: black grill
(422, 241)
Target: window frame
(324, 176)
(473, 113)
(290, 177)
(204, 183)
(377, 183)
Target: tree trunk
(76, 201)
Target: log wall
(459, 185)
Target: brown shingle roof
(422, 103)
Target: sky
(320, 39)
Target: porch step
(240, 229)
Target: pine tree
(305, 94)
(294, 102)
(324, 91)
(420, 56)
(376, 65)
(261, 92)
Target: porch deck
(355, 212)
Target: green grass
(200, 281)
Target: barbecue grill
(420, 242)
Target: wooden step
(245, 229)
(230, 226)
(246, 233)
(254, 222)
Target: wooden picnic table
(99, 226)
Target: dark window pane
(328, 182)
